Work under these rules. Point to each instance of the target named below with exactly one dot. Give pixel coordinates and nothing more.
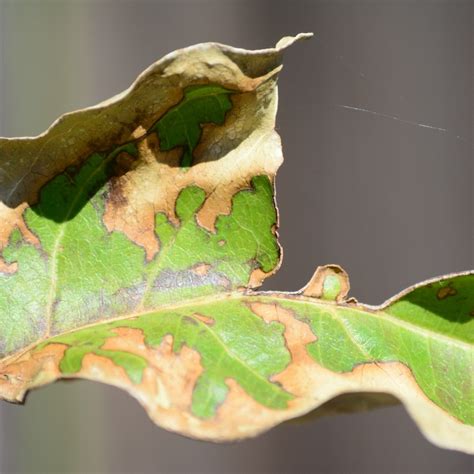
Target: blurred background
(376, 121)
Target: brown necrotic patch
(8, 268)
(168, 381)
(10, 220)
(204, 319)
(30, 370)
(446, 292)
(297, 336)
(123, 163)
(226, 160)
(201, 269)
(131, 205)
(257, 277)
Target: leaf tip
(287, 41)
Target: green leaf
(133, 234)
(181, 125)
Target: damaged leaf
(133, 235)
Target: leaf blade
(133, 233)
(300, 329)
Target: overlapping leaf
(132, 235)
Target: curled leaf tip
(287, 41)
(329, 282)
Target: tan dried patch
(10, 220)
(137, 225)
(8, 267)
(168, 380)
(32, 369)
(201, 269)
(315, 287)
(139, 132)
(240, 416)
(130, 207)
(446, 292)
(297, 336)
(226, 160)
(205, 319)
(127, 340)
(257, 277)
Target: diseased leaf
(133, 233)
(181, 126)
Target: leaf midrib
(376, 312)
(262, 296)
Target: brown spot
(205, 319)
(8, 267)
(115, 195)
(201, 269)
(221, 243)
(315, 287)
(446, 292)
(139, 132)
(123, 164)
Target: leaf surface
(133, 234)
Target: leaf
(132, 234)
